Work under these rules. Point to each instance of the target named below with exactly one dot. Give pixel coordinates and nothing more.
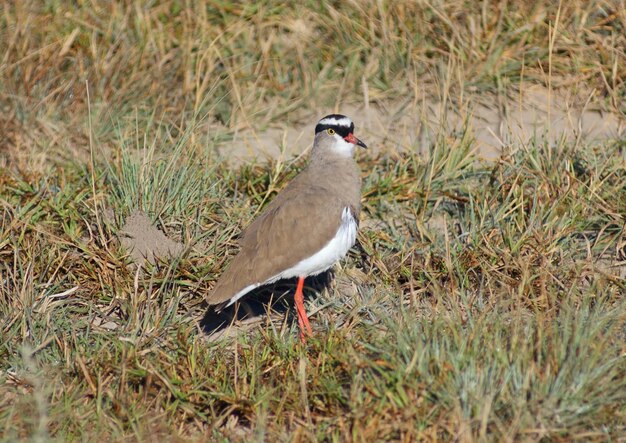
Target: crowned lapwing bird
(309, 226)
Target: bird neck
(331, 159)
(339, 173)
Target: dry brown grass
(247, 65)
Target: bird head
(335, 133)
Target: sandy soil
(496, 124)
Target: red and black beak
(350, 138)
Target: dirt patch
(145, 242)
(496, 123)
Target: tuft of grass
(140, 178)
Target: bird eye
(330, 131)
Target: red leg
(303, 320)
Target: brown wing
(294, 226)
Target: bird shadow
(273, 298)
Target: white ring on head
(345, 121)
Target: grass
(487, 303)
